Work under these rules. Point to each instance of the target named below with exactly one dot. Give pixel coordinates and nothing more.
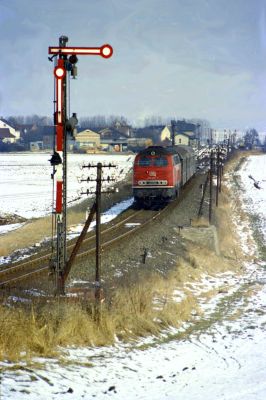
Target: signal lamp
(106, 51)
(59, 72)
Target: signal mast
(65, 59)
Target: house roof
(88, 132)
(6, 122)
(183, 126)
(112, 133)
(183, 134)
(5, 133)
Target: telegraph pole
(98, 227)
(65, 59)
(99, 180)
(173, 125)
(211, 184)
(218, 175)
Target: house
(123, 128)
(166, 133)
(6, 136)
(87, 139)
(8, 133)
(137, 144)
(183, 139)
(184, 134)
(112, 134)
(113, 140)
(117, 145)
(36, 146)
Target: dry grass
(229, 204)
(200, 222)
(137, 309)
(143, 308)
(33, 232)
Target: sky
(180, 58)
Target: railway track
(131, 221)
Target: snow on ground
(26, 184)
(222, 359)
(107, 216)
(74, 231)
(8, 228)
(254, 172)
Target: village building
(8, 134)
(123, 128)
(166, 133)
(184, 139)
(184, 134)
(113, 140)
(87, 140)
(36, 146)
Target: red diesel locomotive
(159, 173)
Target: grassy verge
(139, 307)
(34, 231)
(144, 308)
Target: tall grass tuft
(137, 309)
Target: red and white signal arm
(105, 51)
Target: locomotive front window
(144, 162)
(160, 162)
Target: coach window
(176, 160)
(144, 162)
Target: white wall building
(4, 125)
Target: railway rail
(128, 223)
(132, 221)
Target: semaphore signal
(65, 59)
(105, 51)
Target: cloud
(197, 58)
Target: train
(159, 173)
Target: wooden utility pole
(211, 184)
(228, 147)
(218, 175)
(99, 179)
(79, 242)
(203, 195)
(173, 124)
(98, 233)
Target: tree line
(100, 121)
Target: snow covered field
(222, 359)
(26, 184)
(252, 172)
